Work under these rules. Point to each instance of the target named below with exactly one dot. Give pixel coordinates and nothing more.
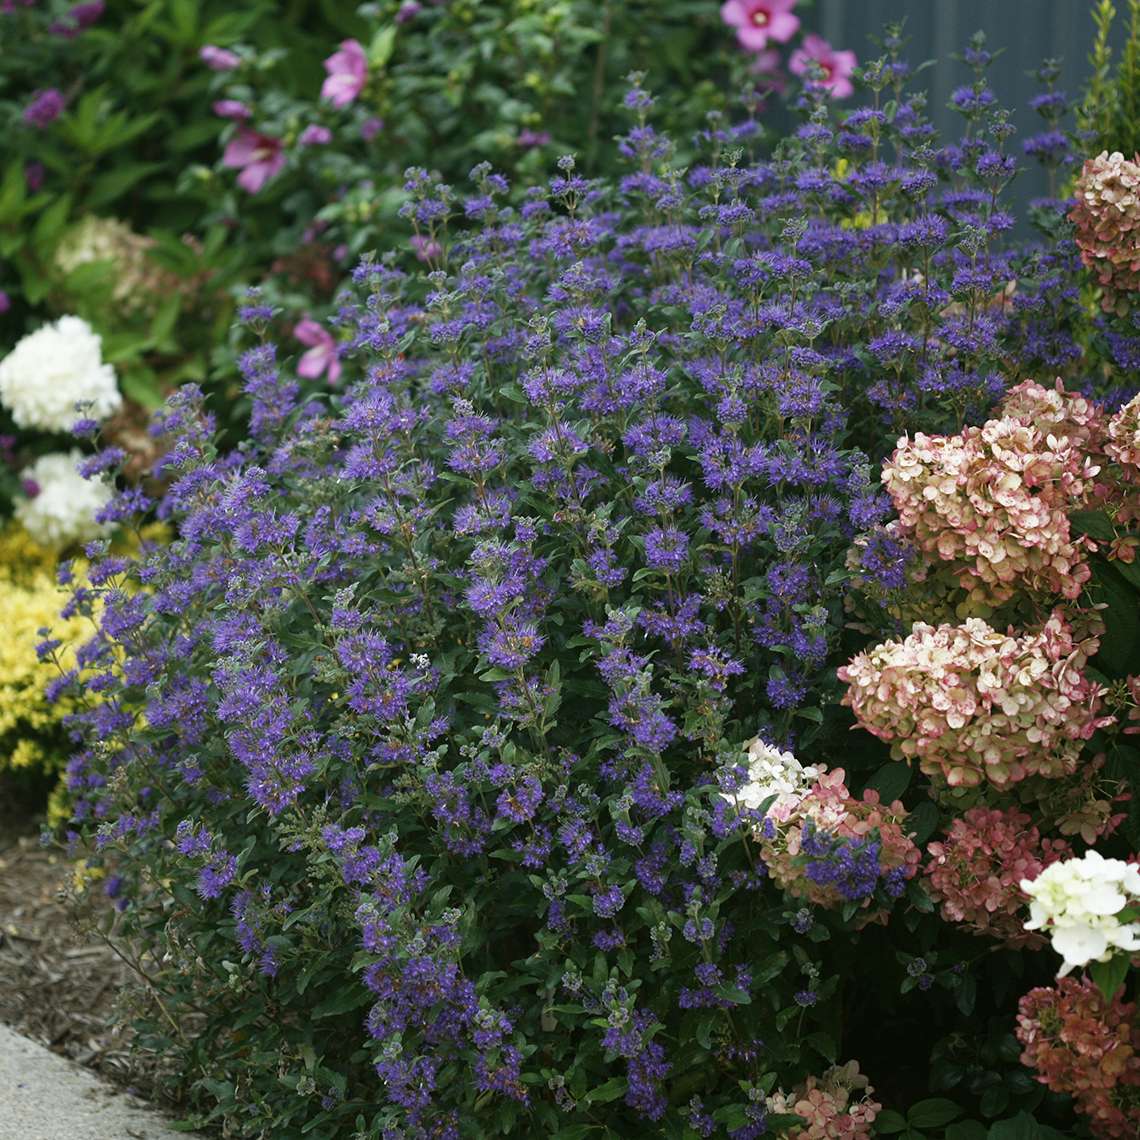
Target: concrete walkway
(46, 1097)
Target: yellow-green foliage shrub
(32, 742)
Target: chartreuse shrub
(472, 761)
(33, 743)
(1110, 111)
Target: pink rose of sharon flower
(758, 21)
(315, 135)
(259, 157)
(837, 66)
(219, 59)
(322, 355)
(231, 109)
(347, 73)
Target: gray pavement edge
(46, 1097)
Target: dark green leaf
(1109, 976)
(1094, 523)
(889, 1122)
(890, 781)
(611, 1090)
(932, 1113)
(966, 1130)
(994, 1100)
(348, 998)
(1019, 1127)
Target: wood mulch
(60, 983)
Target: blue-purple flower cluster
(428, 696)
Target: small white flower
(773, 773)
(62, 509)
(52, 370)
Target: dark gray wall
(1030, 31)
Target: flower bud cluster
(971, 704)
(829, 848)
(995, 500)
(1085, 1046)
(976, 871)
(836, 1105)
(1107, 216)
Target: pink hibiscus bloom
(323, 355)
(758, 21)
(837, 66)
(259, 157)
(348, 72)
(766, 66)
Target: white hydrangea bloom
(1077, 902)
(53, 369)
(773, 773)
(62, 509)
(136, 281)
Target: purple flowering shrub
(419, 758)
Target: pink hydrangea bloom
(218, 59)
(976, 871)
(829, 806)
(259, 157)
(347, 74)
(972, 705)
(994, 501)
(1088, 806)
(1123, 444)
(836, 1106)
(758, 21)
(837, 66)
(1107, 217)
(1087, 1047)
(323, 355)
